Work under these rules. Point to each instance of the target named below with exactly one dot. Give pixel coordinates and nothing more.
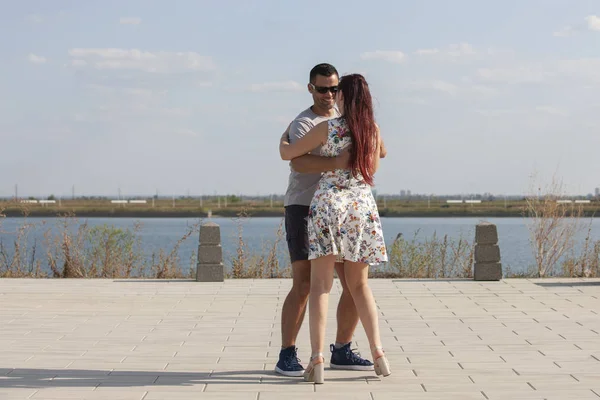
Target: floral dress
(343, 218)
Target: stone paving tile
(16, 394)
(126, 339)
(541, 395)
(156, 395)
(429, 396)
(48, 394)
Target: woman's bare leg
(321, 281)
(357, 280)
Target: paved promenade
(119, 339)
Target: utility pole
(16, 192)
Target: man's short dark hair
(323, 69)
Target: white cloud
(40, 18)
(78, 63)
(427, 52)
(444, 87)
(435, 85)
(583, 71)
(187, 132)
(465, 88)
(134, 59)
(514, 75)
(36, 59)
(176, 112)
(498, 112)
(413, 100)
(567, 31)
(138, 92)
(593, 22)
(114, 104)
(389, 56)
(586, 69)
(552, 110)
(452, 51)
(35, 18)
(461, 49)
(482, 90)
(130, 20)
(286, 86)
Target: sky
(192, 96)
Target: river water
(259, 233)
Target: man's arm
(312, 164)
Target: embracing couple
(332, 222)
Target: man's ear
(310, 88)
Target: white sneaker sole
(352, 367)
(289, 373)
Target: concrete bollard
(487, 253)
(210, 254)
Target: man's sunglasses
(325, 89)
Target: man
(303, 180)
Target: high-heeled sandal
(382, 366)
(315, 372)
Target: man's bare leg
(294, 306)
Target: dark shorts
(296, 232)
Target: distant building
(408, 193)
(403, 193)
(597, 192)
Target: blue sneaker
(289, 363)
(346, 358)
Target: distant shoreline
(231, 213)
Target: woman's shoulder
(337, 121)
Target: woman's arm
(314, 138)
(312, 164)
(379, 147)
(382, 149)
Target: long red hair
(358, 112)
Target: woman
(343, 221)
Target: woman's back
(338, 138)
(343, 216)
